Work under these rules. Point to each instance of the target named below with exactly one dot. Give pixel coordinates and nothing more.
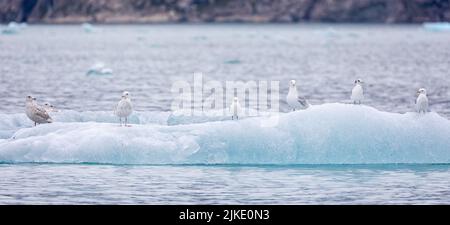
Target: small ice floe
(331, 33)
(199, 38)
(233, 61)
(99, 69)
(23, 25)
(353, 35)
(156, 46)
(88, 28)
(12, 28)
(437, 27)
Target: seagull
(422, 101)
(49, 107)
(35, 112)
(295, 101)
(357, 92)
(124, 108)
(235, 108)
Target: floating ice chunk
(12, 28)
(23, 25)
(199, 38)
(106, 71)
(437, 27)
(233, 61)
(323, 134)
(331, 33)
(88, 28)
(99, 69)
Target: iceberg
(88, 28)
(10, 123)
(437, 27)
(12, 28)
(323, 134)
(233, 61)
(99, 69)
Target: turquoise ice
(324, 134)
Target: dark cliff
(143, 11)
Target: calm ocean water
(109, 184)
(51, 62)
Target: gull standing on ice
(35, 112)
(357, 92)
(124, 108)
(49, 107)
(294, 100)
(422, 101)
(235, 108)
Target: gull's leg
(120, 121)
(35, 124)
(237, 117)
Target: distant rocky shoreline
(257, 11)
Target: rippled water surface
(51, 62)
(106, 184)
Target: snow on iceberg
(10, 123)
(88, 28)
(12, 28)
(324, 134)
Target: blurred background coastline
(198, 11)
